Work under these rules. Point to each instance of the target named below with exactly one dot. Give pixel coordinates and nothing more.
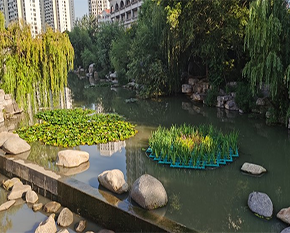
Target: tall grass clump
(189, 144)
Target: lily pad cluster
(73, 127)
(192, 147)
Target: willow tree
(267, 40)
(34, 64)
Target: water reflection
(110, 148)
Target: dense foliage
(267, 40)
(69, 128)
(33, 67)
(188, 144)
(92, 43)
(222, 40)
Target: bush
(244, 98)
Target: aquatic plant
(69, 128)
(190, 145)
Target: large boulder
(231, 105)
(7, 184)
(6, 205)
(286, 230)
(48, 226)
(65, 218)
(5, 135)
(15, 145)
(114, 181)
(51, 207)
(72, 158)
(31, 197)
(284, 215)
(18, 190)
(261, 204)
(149, 192)
(253, 168)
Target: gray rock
(37, 206)
(15, 145)
(7, 205)
(231, 105)
(72, 158)
(65, 218)
(197, 97)
(114, 181)
(48, 226)
(286, 230)
(7, 184)
(186, 88)
(149, 192)
(31, 197)
(18, 191)
(284, 215)
(289, 124)
(51, 207)
(81, 226)
(192, 81)
(261, 204)
(253, 168)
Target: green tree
(81, 41)
(267, 40)
(34, 65)
(119, 53)
(107, 33)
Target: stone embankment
(197, 90)
(8, 106)
(17, 190)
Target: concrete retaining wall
(95, 204)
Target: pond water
(214, 200)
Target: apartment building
(28, 10)
(96, 7)
(125, 11)
(58, 14)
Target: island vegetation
(193, 147)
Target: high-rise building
(58, 14)
(125, 11)
(96, 7)
(27, 10)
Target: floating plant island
(73, 127)
(192, 147)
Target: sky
(81, 8)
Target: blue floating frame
(199, 165)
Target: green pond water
(212, 200)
